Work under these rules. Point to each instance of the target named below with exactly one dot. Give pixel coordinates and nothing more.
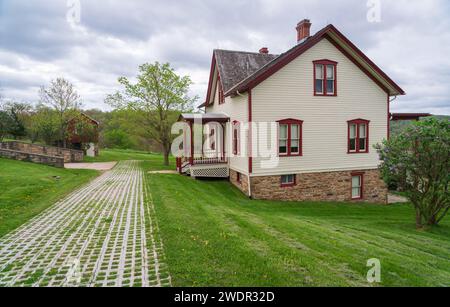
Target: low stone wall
(69, 155)
(329, 186)
(30, 157)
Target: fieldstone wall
(243, 185)
(331, 186)
(69, 155)
(30, 157)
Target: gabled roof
(241, 71)
(235, 66)
(341, 43)
(90, 118)
(95, 122)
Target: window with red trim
(236, 131)
(221, 95)
(358, 136)
(357, 185)
(288, 180)
(290, 137)
(325, 78)
(238, 177)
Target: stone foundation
(330, 186)
(243, 185)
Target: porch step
(185, 168)
(210, 170)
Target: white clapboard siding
(237, 109)
(289, 94)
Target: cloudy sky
(410, 42)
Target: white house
(296, 126)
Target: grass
(26, 189)
(215, 236)
(155, 160)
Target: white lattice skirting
(212, 171)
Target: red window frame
(221, 95)
(238, 177)
(358, 122)
(236, 138)
(289, 123)
(324, 63)
(289, 184)
(361, 188)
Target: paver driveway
(104, 234)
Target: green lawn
(26, 189)
(215, 236)
(155, 160)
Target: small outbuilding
(83, 134)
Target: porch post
(203, 154)
(224, 128)
(191, 159)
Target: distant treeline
(120, 129)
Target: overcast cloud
(37, 44)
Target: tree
(420, 158)
(62, 97)
(4, 119)
(160, 94)
(117, 138)
(5, 124)
(17, 112)
(44, 125)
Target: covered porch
(204, 151)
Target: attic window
(325, 78)
(221, 95)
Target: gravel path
(104, 234)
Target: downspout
(250, 161)
(389, 115)
(250, 143)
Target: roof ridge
(249, 52)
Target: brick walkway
(104, 234)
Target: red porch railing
(198, 161)
(204, 160)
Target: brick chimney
(264, 50)
(303, 30)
